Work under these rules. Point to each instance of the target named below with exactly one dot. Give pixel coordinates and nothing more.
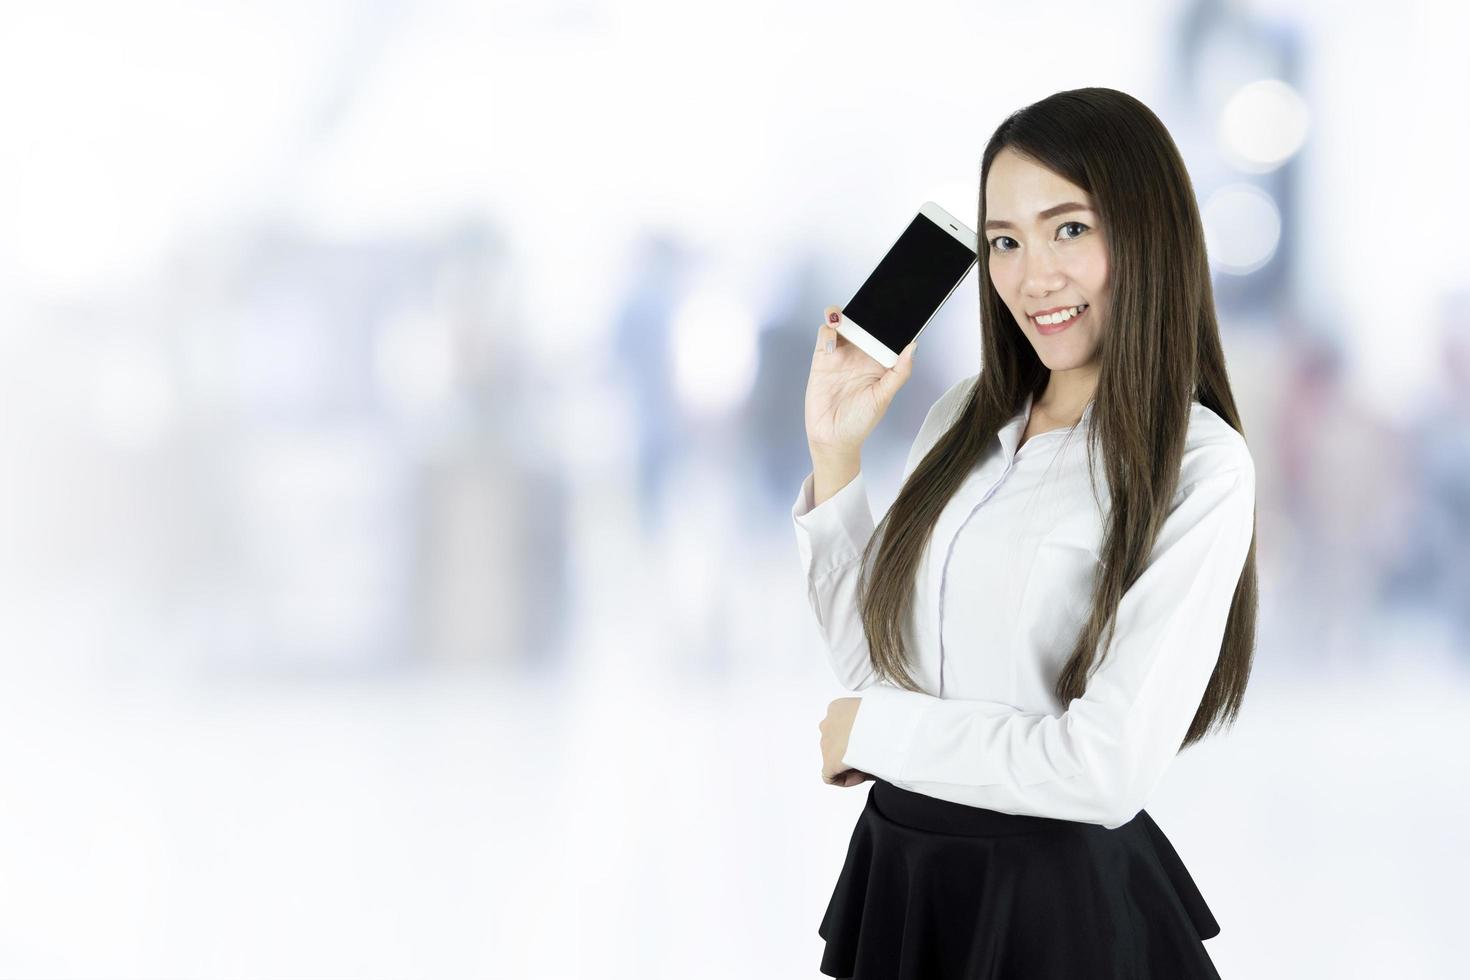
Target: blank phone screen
(910, 283)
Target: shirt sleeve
(1097, 761)
(830, 539)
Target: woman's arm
(831, 534)
(1099, 760)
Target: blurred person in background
(642, 335)
(1432, 570)
(1346, 530)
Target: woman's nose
(1042, 274)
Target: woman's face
(1044, 254)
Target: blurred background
(401, 411)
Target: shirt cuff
(884, 728)
(834, 534)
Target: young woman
(1063, 594)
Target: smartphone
(909, 284)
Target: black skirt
(936, 890)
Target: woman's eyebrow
(1051, 212)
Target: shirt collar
(1010, 433)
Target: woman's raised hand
(848, 392)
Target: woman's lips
(1051, 328)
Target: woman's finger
(827, 337)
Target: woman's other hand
(835, 728)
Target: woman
(1034, 644)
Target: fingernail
(831, 345)
(833, 317)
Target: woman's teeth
(1061, 316)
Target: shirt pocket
(1075, 536)
(1057, 598)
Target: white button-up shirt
(1002, 592)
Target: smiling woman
(1035, 636)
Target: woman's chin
(1063, 362)
(1063, 356)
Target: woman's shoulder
(941, 415)
(946, 407)
(1212, 447)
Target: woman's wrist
(830, 473)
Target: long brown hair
(1161, 351)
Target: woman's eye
(995, 242)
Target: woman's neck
(1065, 397)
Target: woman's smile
(1051, 328)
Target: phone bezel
(960, 232)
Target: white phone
(909, 284)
